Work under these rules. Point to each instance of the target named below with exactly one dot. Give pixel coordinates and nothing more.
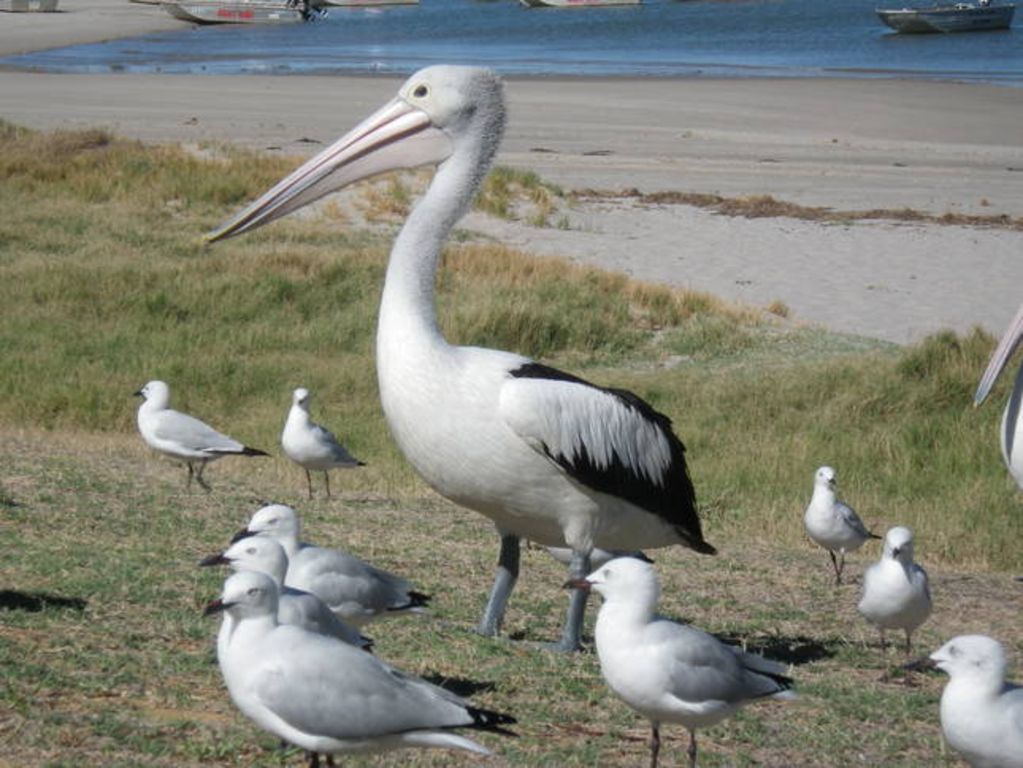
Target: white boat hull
(237, 12)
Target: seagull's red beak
(395, 137)
(582, 584)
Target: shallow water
(800, 38)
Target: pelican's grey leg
(504, 583)
(578, 569)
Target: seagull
(545, 455)
(981, 713)
(354, 590)
(895, 590)
(1012, 423)
(304, 609)
(311, 446)
(833, 524)
(324, 695)
(668, 672)
(181, 436)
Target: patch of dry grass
(766, 206)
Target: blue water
(744, 38)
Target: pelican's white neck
(407, 311)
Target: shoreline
(844, 143)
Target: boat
(960, 17)
(575, 3)
(239, 11)
(366, 3)
(22, 6)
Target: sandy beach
(844, 144)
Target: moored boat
(575, 3)
(22, 6)
(960, 17)
(365, 3)
(238, 11)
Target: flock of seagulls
(588, 472)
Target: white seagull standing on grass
(311, 446)
(181, 436)
(895, 590)
(354, 590)
(324, 695)
(668, 672)
(1012, 416)
(295, 606)
(833, 524)
(544, 454)
(981, 713)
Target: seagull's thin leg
(909, 643)
(330, 761)
(655, 743)
(198, 475)
(884, 642)
(841, 564)
(691, 751)
(309, 482)
(504, 583)
(314, 759)
(834, 564)
(326, 481)
(190, 472)
(579, 568)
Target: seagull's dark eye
(254, 591)
(420, 91)
(251, 550)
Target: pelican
(544, 454)
(1012, 424)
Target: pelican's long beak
(395, 137)
(1010, 340)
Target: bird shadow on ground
(794, 649)
(37, 602)
(459, 686)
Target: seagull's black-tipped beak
(217, 559)
(920, 665)
(896, 551)
(216, 606)
(137, 393)
(244, 533)
(582, 584)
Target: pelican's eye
(420, 92)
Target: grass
(105, 658)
